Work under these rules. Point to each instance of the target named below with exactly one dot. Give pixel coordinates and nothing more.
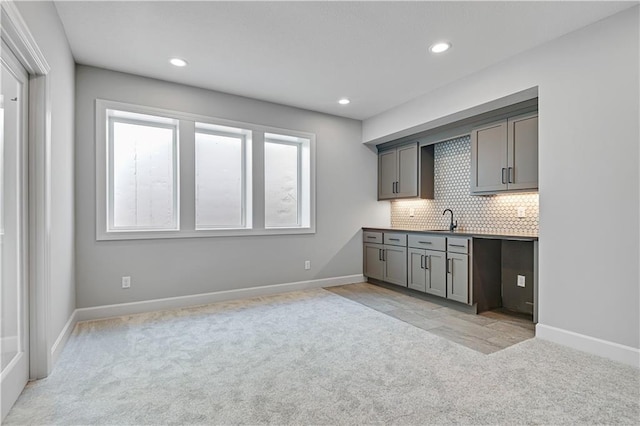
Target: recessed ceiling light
(440, 47)
(178, 62)
(344, 101)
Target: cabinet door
(523, 152)
(373, 264)
(387, 174)
(489, 158)
(436, 263)
(407, 171)
(458, 277)
(395, 265)
(417, 278)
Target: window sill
(154, 235)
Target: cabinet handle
(425, 242)
(422, 262)
(502, 176)
(427, 258)
(380, 255)
(394, 239)
(510, 179)
(371, 237)
(449, 266)
(457, 245)
(384, 255)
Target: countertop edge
(456, 234)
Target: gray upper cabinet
(504, 155)
(398, 173)
(489, 158)
(387, 173)
(523, 148)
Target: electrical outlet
(307, 264)
(412, 212)
(522, 212)
(126, 282)
(520, 281)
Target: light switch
(412, 212)
(522, 212)
(520, 280)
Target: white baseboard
(108, 311)
(64, 335)
(614, 351)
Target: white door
(14, 338)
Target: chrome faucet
(452, 226)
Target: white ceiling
(309, 54)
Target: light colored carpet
(314, 357)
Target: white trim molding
(604, 348)
(63, 337)
(16, 34)
(20, 40)
(108, 311)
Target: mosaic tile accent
(489, 213)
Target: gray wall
(588, 167)
(42, 19)
(346, 200)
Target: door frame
(16, 35)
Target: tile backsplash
(493, 213)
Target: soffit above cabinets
(310, 54)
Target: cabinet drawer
(458, 245)
(429, 242)
(394, 239)
(372, 237)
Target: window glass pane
(143, 176)
(281, 184)
(219, 181)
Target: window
(169, 174)
(286, 181)
(143, 178)
(221, 177)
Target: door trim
(17, 36)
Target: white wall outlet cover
(521, 280)
(126, 282)
(412, 212)
(522, 212)
(307, 264)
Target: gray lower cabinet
(373, 263)
(458, 277)
(385, 262)
(395, 265)
(427, 271)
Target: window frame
(299, 185)
(243, 175)
(185, 157)
(175, 160)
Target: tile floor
(486, 332)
